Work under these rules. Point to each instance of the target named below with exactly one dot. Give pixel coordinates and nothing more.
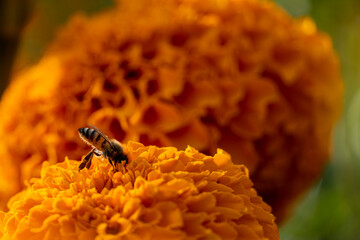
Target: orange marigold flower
(241, 75)
(162, 194)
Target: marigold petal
(193, 224)
(204, 202)
(223, 229)
(141, 201)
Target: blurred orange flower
(241, 75)
(162, 194)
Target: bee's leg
(86, 162)
(107, 155)
(126, 159)
(123, 161)
(112, 164)
(97, 152)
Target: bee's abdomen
(90, 135)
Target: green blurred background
(331, 210)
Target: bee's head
(121, 158)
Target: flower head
(162, 193)
(241, 75)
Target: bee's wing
(102, 134)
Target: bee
(111, 149)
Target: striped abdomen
(92, 137)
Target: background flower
(162, 194)
(241, 75)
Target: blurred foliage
(47, 17)
(13, 17)
(331, 210)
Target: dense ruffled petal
(145, 200)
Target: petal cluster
(162, 193)
(241, 75)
